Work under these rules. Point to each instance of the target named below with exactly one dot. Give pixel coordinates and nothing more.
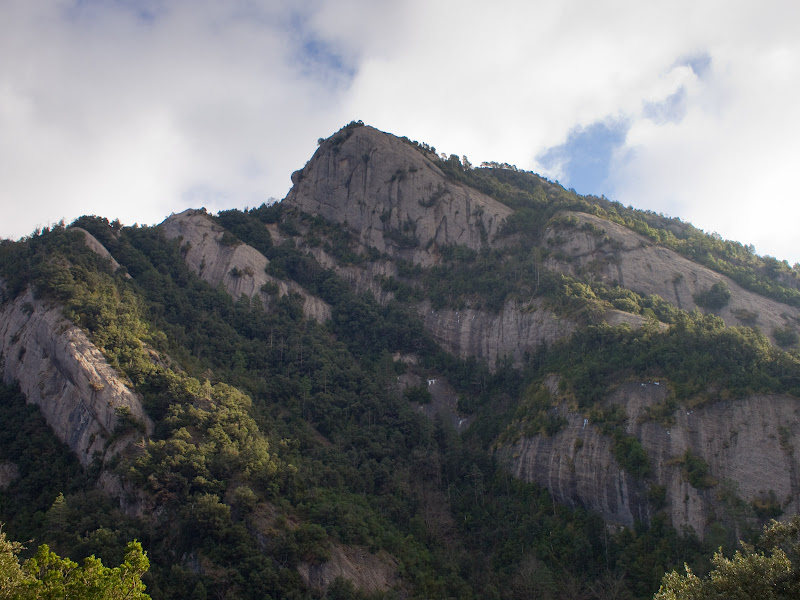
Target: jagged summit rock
(393, 195)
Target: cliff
(393, 196)
(370, 573)
(81, 397)
(746, 445)
(239, 268)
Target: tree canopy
(47, 576)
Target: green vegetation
(695, 470)
(537, 200)
(418, 394)
(701, 358)
(279, 440)
(536, 414)
(46, 575)
(714, 298)
(769, 570)
(249, 458)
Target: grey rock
(239, 268)
(62, 372)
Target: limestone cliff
(612, 253)
(393, 196)
(747, 445)
(81, 397)
(236, 266)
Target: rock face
(8, 473)
(613, 253)
(236, 266)
(511, 333)
(747, 445)
(95, 246)
(60, 370)
(393, 196)
(518, 329)
(371, 573)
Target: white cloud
(108, 113)
(136, 109)
(729, 164)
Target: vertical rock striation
(393, 196)
(57, 368)
(239, 268)
(747, 444)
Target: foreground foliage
(768, 571)
(48, 576)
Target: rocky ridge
(614, 254)
(57, 368)
(393, 196)
(239, 268)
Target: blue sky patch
(670, 110)
(700, 64)
(585, 158)
(319, 54)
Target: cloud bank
(135, 109)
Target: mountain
(409, 378)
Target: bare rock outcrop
(370, 573)
(236, 266)
(747, 445)
(393, 196)
(8, 473)
(520, 328)
(516, 330)
(613, 253)
(81, 397)
(95, 246)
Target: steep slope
(597, 248)
(393, 196)
(81, 397)
(289, 454)
(234, 265)
(745, 448)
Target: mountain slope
(417, 379)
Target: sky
(134, 109)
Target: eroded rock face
(511, 333)
(370, 573)
(238, 267)
(393, 196)
(748, 445)
(631, 260)
(8, 473)
(95, 246)
(62, 372)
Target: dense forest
(281, 442)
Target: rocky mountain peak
(393, 195)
